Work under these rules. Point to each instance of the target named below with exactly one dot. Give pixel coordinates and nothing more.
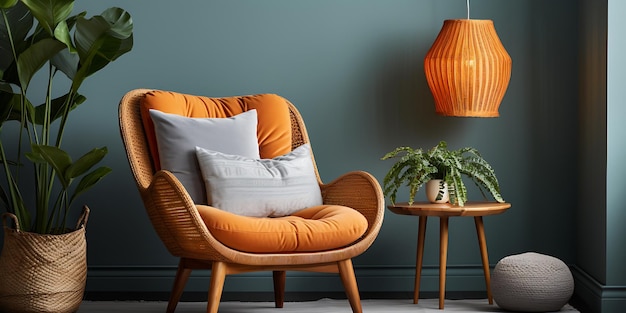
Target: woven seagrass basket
(42, 273)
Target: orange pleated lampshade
(467, 69)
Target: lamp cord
(468, 9)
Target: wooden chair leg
(346, 272)
(279, 288)
(182, 275)
(218, 275)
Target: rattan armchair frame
(184, 234)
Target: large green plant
(42, 37)
(415, 167)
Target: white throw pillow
(177, 137)
(260, 187)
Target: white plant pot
(432, 190)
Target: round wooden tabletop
(470, 208)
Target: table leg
(482, 242)
(421, 234)
(443, 258)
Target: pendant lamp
(467, 68)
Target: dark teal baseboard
(369, 279)
(590, 296)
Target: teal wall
(354, 69)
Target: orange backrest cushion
(274, 123)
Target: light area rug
(323, 305)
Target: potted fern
(41, 181)
(416, 167)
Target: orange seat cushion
(273, 127)
(317, 228)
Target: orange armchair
(182, 225)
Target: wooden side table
(444, 211)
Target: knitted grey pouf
(531, 282)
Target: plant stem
(66, 111)
(47, 192)
(6, 23)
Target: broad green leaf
(5, 88)
(102, 39)
(49, 13)
(35, 157)
(33, 58)
(56, 108)
(62, 34)
(71, 21)
(13, 101)
(5, 4)
(89, 180)
(20, 21)
(55, 157)
(66, 62)
(121, 21)
(38, 34)
(85, 162)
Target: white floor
(323, 305)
